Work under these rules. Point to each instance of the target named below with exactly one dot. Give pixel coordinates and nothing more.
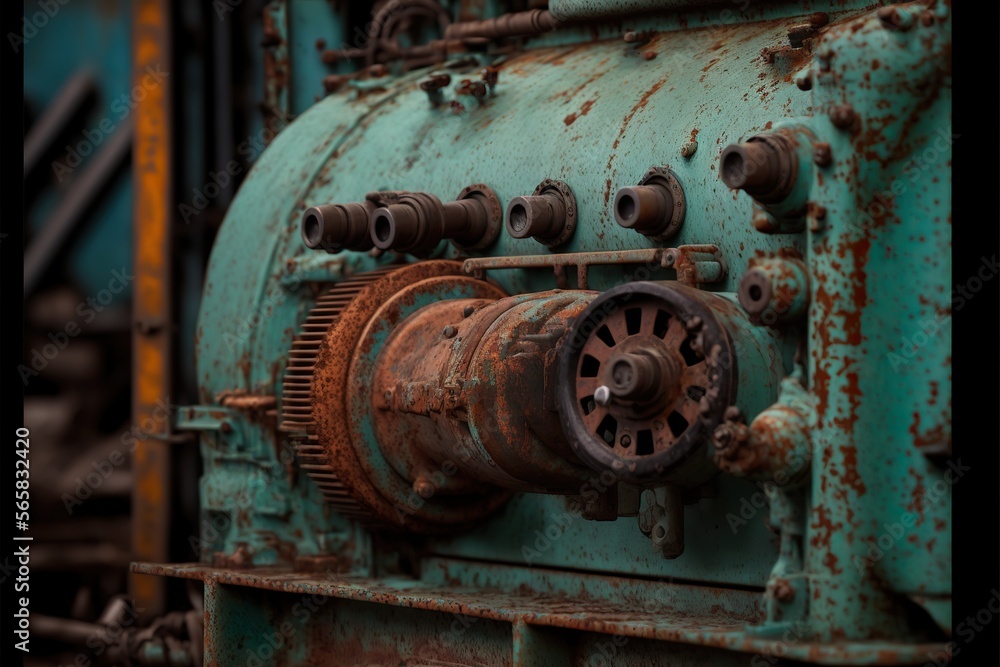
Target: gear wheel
(327, 407)
(297, 385)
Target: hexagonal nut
(781, 589)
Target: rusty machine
(577, 335)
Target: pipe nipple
(548, 215)
(764, 166)
(337, 227)
(654, 207)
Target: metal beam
(151, 347)
(47, 243)
(57, 115)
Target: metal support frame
(153, 162)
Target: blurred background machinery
(540, 333)
(94, 71)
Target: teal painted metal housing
(849, 565)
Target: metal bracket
(203, 418)
(661, 517)
(694, 264)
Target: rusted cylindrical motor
(418, 222)
(498, 423)
(336, 227)
(548, 215)
(775, 290)
(430, 395)
(654, 208)
(765, 166)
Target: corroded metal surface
(775, 290)
(297, 389)
(823, 268)
(395, 383)
(469, 382)
(691, 344)
(276, 106)
(152, 315)
(673, 615)
(347, 462)
(874, 412)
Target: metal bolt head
(689, 149)
(694, 325)
(895, 18)
(423, 487)
(491, 76)
(842, 116)
(449, 331)
(822, 154)
(333, 82)
(626, 441)
(825, 57)
(622, 374)
(722, 437)
(816, 216)
(782, 590)
(435, 82)
(468, 311)
(602, 396)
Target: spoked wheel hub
(648, 366)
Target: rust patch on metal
(641, 104)
(319, 384)
(153, 164)
(584, 110)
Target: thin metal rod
(641, 256)
(57, 115)
(81, 194)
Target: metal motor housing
(821, 429)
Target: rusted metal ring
(665, 177)
(494, 212)
(342, 461)
(569, 201)
(297, 391)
